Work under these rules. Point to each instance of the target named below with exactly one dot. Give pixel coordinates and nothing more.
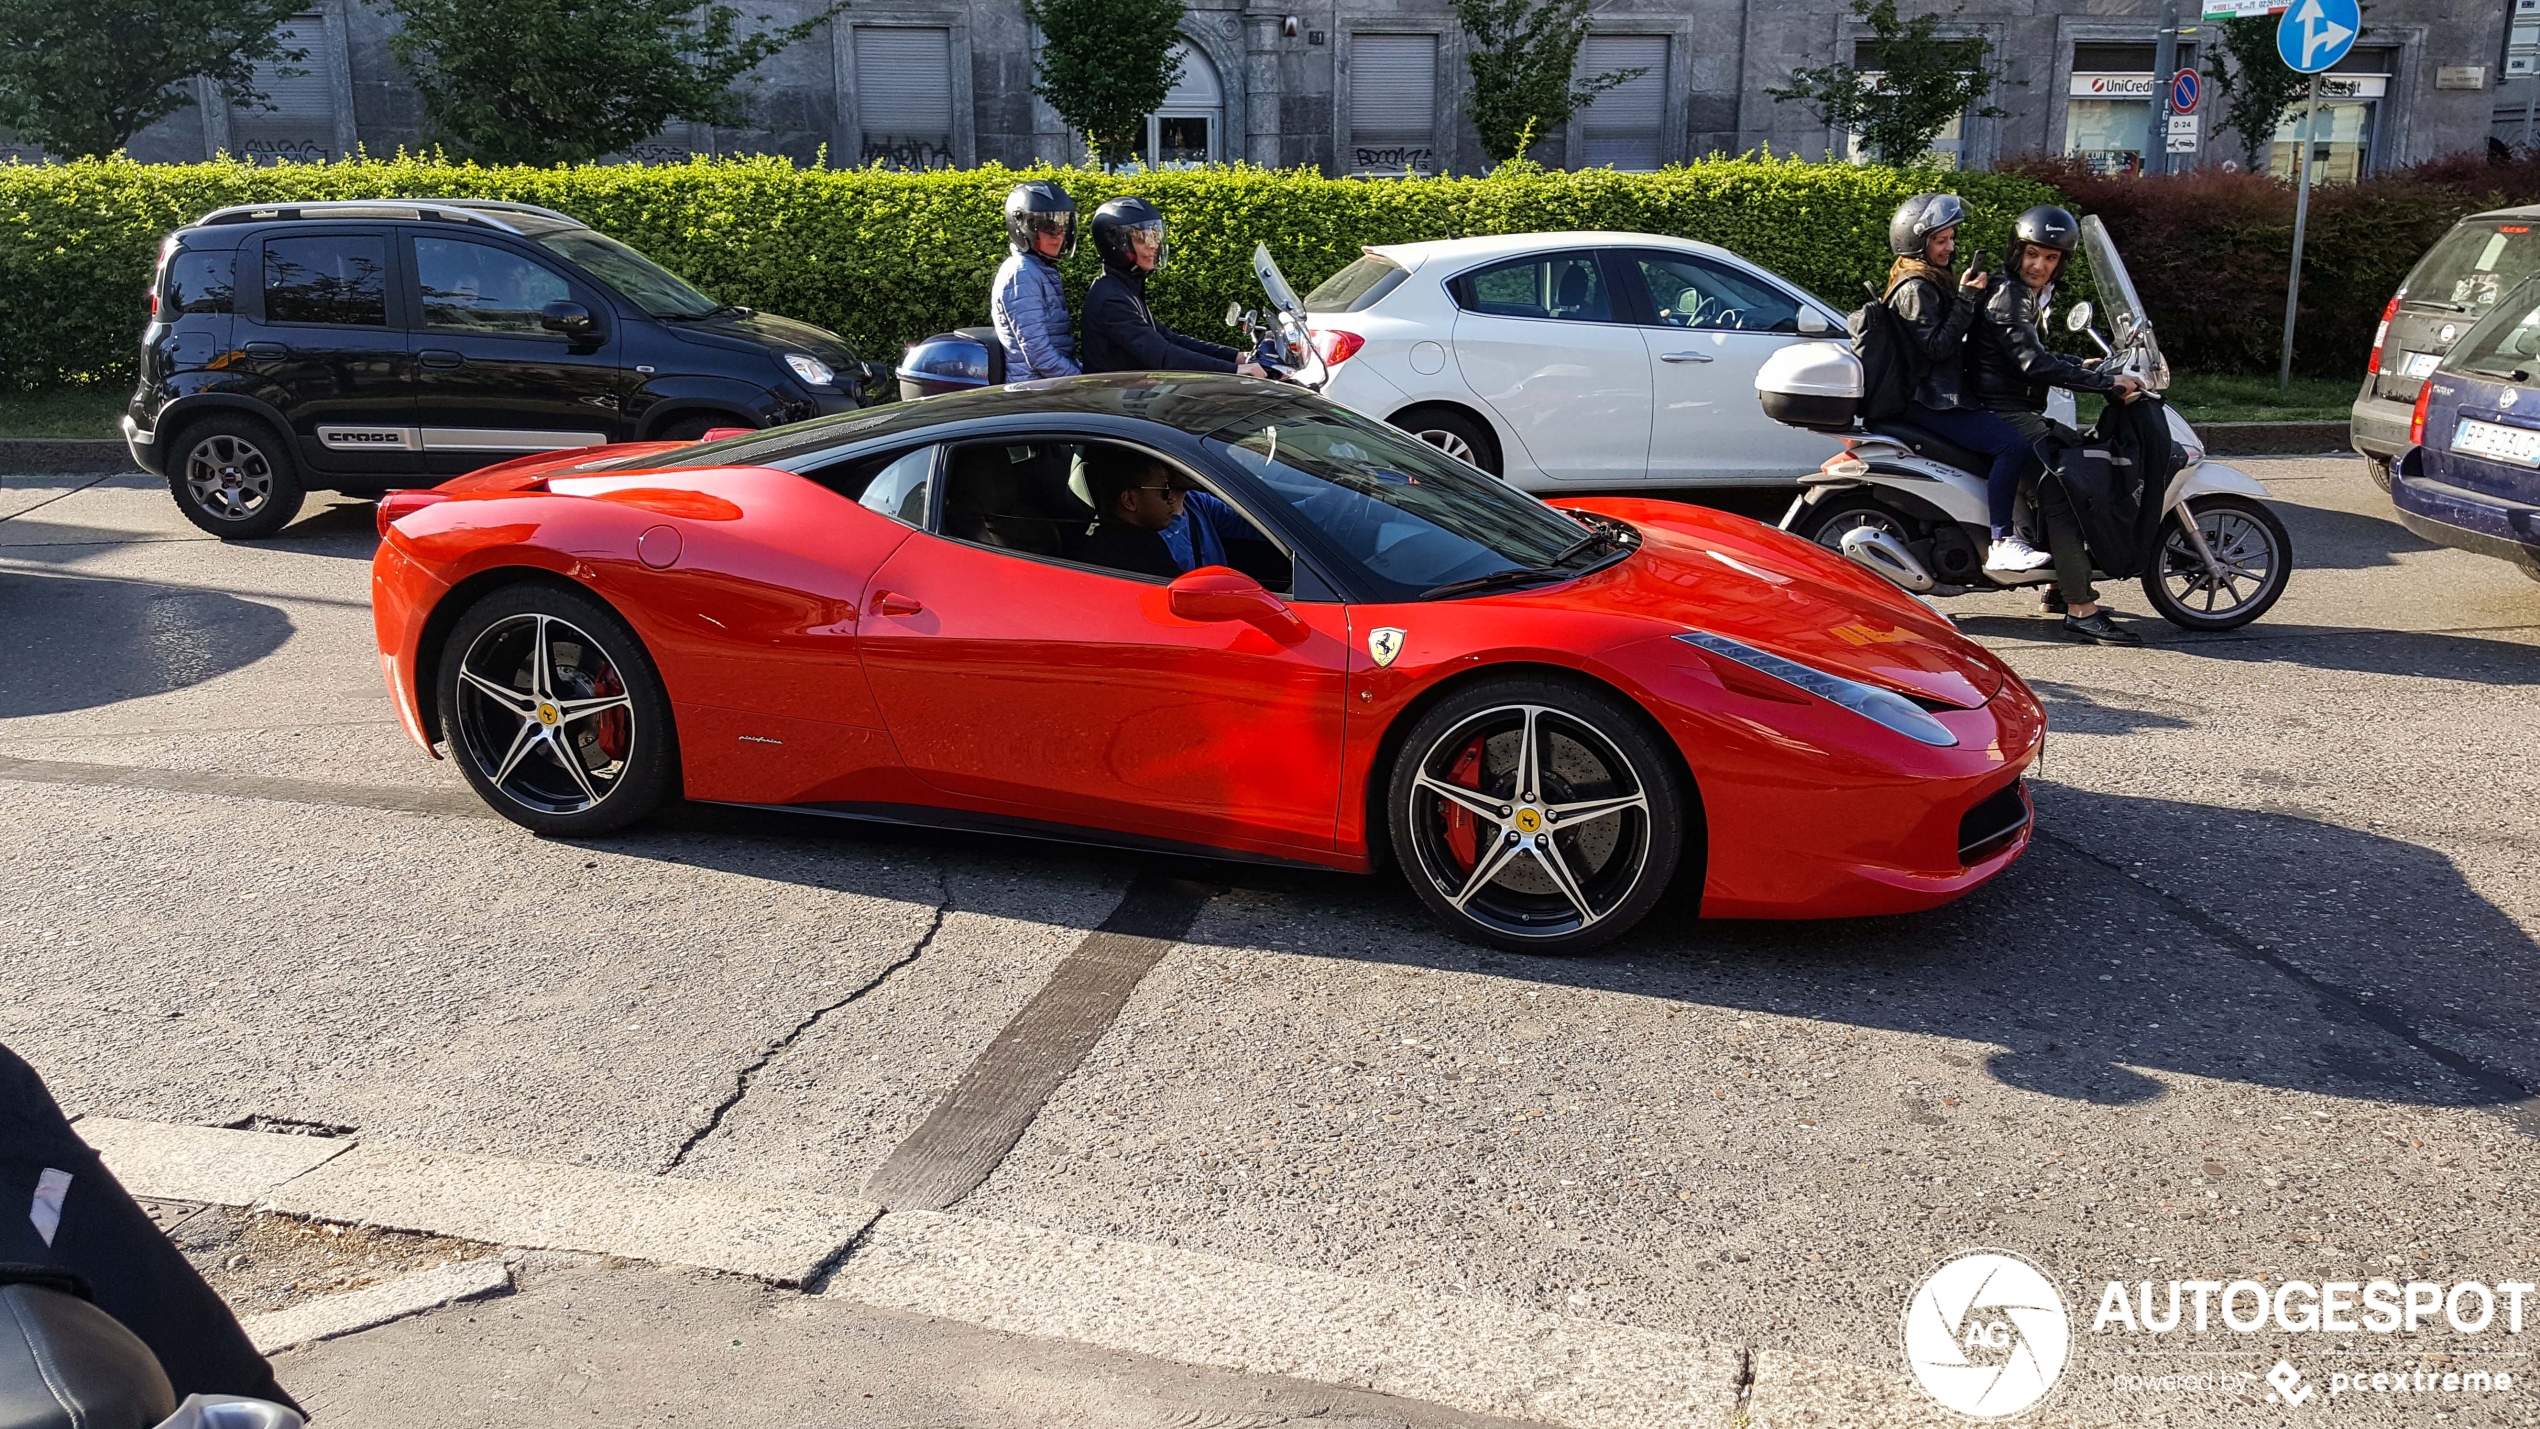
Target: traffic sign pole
(2156, 149)
(2301, 218)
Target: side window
(337, 278)
(900, 488)
(1024, 496)
(1568, 287)
(200, 282)
(1041, 499)
(1685, 291)
(475, 287)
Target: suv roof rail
(489, 212)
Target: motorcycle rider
(1939, 312)
(2010, 368)
(1120, 334)
(1028, 304)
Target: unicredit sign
(2112, 86)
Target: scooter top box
(1812, 384)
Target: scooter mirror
(1234, 315)
(2079, 318)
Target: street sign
(2241, 9)
(2187, 124)
(2185, 91)
(2315, 34)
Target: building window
(2342, 133)
(1185, 133)
(2108, 107)
(297, 119)
(1948, 148)
(904, 96)
(1625, 126)
(1393, 104)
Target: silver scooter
(1279, 338)
(1899, 502)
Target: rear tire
(2379, 471)
(1556, 795)
(555, 712)
(233, 476)
(1455, 434)
(2242, 533)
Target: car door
(332, 356)
(1707, 327)
(1540, 340)
(1028, 684)
(491, 381)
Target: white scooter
(1279, 341)
(1913, 508)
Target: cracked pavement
(2260, 1000)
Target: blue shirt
(1198, 536)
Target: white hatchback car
(1572, 359)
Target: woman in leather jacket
(2009, 370)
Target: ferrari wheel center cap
(546, 714)
(1529, 821)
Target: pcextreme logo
(1986, 1334)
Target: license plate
(2497, 442)
(2420, 364)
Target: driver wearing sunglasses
(1149, 523)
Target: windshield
(1356, 287)
(2507, 343)
(2126, 318)
(2475, 265)
(1411, 517)
(643, 282)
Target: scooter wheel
(2256, 554)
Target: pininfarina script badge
(1384, 643)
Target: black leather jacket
(1939, 319)
(2009, 365)
(1118, 334)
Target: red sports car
(1207, 614)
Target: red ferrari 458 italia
(1215, 615)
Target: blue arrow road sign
(2185, 90)
(2315, 34)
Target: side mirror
(2078, 319)
(1214, 593)
(1234, 315)
(1812, 323)
(570, 318)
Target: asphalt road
(2259, 1002)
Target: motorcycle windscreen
(1274, 282)
(2125, 306)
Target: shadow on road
(76, 643)
(2327, 539)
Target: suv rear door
(319, 327)
(491, 381)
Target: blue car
(2471, 475)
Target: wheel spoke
(525, 706)
(1530, 757)
(520, 746)
(1572, 815)
(567, 711)
(539, 680)
(1558, 869)
(1473, 800)
(571, 759)
(1485, 868)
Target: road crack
(749, 1074)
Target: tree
(563, 81)
(1923, 80)
(1523, 55)
(2257, 81)
(1105, 65)
(84, 76)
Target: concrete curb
(376, 1305)
(64, 454)
(2274, 438)
(203, 1163)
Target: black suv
(366, 345)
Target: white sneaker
(2010, 553)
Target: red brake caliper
(610, 727)
(1462, 829)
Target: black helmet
(1039, 207)
(1116, 220)
(2049, 227)
(1918, 218)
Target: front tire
(2257, 556)
(233, 476)
(555, 713)
(1536, 816)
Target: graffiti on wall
(1393, 159)
(898, 151)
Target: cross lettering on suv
(364, 346)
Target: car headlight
(809, 368)
(1868, 701)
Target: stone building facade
(1376, 86)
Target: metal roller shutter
(1393, 105)
(297, 118)
(1626, 125)
(903, 95)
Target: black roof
(1196, 403)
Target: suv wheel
(232, 476)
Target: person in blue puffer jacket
(1029, 303)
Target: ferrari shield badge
(1384, 643)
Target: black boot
(2098, 629)
(2051, 602)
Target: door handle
(1684, 357)
(266, 350)
(892, 603)
(442, 357)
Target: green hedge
(884, 257)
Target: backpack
(1891, 368)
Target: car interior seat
(1573, 301)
